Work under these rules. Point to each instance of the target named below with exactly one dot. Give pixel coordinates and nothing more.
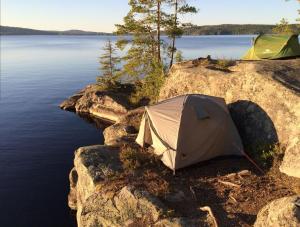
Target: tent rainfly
(274, 47)
(187, 129)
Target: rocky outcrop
(92, 166)
(264, 102)
(119, 133)
(284, 212)
(263, 97)
(94, 169)
(104, 104)
(126, 130)
(127, 206)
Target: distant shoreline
(224, 29)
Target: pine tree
(174, 28)
(143, 23)
(109, 66)
(143, 62)
(178, 56)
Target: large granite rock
(120, 208)
(284, 212)
(103, 104)
(99, 203)
(126, 130)
(93, 165)
(263, 97)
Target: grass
(131, 157)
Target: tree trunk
(174, 37)
(110, 59)
(158, 30)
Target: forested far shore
(7, 30)
(224, 29)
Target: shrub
(147, 90)
(224, 63)
(264, 155)
(132, 157)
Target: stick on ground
(208, 209)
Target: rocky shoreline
(264, 103)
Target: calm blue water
(37, 139)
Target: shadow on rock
(256, 129)
(98, 122)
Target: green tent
(274, 47)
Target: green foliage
(224, 63)
(142, 22)
(178, 56)
(264, 155)
(173, 26)
(230, 29)
(110, 72)
(143, 65)
(283, 28)
(149, 87)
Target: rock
(281, 212)
(291, 161)
(128, 206)
(177, 196)
(124, 131)
(263, 98)
(133, 118)
(93, 165)
(100, 203)
(103, 104)
(113, 134)
(70, 103)
(72, 197)
(183, 222)
(119, 133)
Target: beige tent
(188, 129)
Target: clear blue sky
(101, 15)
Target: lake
(37, 139)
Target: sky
(102, 15)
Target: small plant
(148, 88)
(224, 63)
(132, 157)
(264, 155)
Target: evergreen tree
(142, 53)
(109, 66)
(178, 56)
(174, 28)
(143, 62)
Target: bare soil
(231, 186)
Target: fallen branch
(227, 183)
(244, 173)
(193, 192)
(208, 209)
(232, 198)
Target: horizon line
(78, 29)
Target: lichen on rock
(283, 212)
